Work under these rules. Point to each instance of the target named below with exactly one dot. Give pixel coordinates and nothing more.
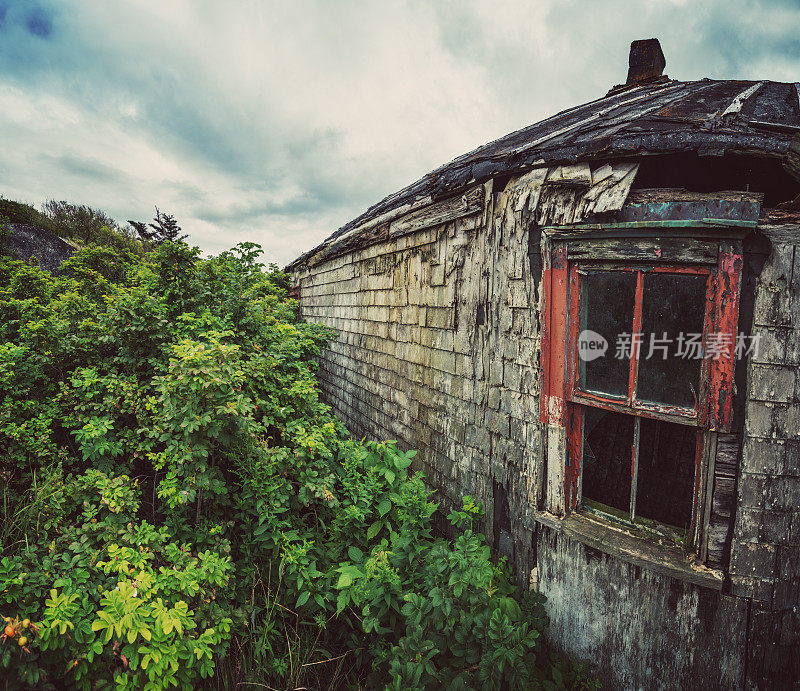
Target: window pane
(607, 299)
(666, 472)
(673, 308)
(607, 455)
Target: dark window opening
(662, 464)
(718, 173)
(666, 472)
(607, 454)
(652, 324)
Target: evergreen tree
(164, 229)
(140, 228)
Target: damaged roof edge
(707, 117)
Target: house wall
(413, 361)
(646, 630)
(438, 336)
(765, 549)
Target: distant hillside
(79, 224)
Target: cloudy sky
(277, 122)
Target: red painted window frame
(559, 405)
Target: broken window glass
(673, 311)
(607, 302)
(607, 455)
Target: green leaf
(305, 595)
(390, 476)
(374, 529)
(384, 507)
(345, 579)
(355, 554)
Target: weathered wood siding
(437, 347)
(765, 550)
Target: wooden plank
(727, 318)
(698, 225)
(659, 250)
(618, 542)
(773, 126)
(652, 195)
(442, 212)
(736, 104)
(578, 174)
(611, 192)
(659, 204)
(708, 479)
(723, 498)
(408, 218)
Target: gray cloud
(278, 122)
(94, 171)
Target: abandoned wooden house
(592, 325)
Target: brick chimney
(646, 61)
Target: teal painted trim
(730, 222)
(716, 222)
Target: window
(634, 383)
(638, 392)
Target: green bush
(181, 509)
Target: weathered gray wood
(653, 195)
(451, 209)
(723, 500)
(602, 608)
(791, 161)
(618, 542)
(662, 250)
(782, 234)
(579, 174)
(709, 458)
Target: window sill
(618, 542)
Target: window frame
(561, 404)
(695, 417)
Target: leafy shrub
(180, 508)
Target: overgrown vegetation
(180, 509)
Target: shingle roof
(664, 116)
